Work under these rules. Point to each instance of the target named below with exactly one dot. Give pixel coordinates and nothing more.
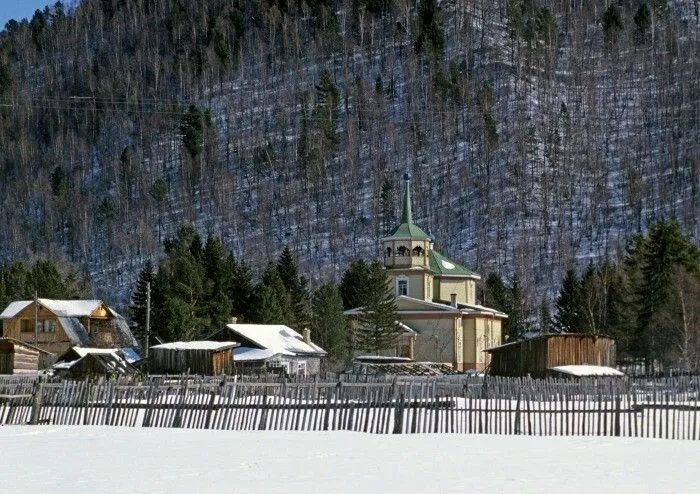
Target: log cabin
(57, 325)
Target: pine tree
(329, 326)
(567, 318)
(377, 328)
(137, 308)
(267, 308)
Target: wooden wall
(535, 356)
(18, 359)
(205, 362)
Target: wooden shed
(210, 358)
(17, 357)
(535, 356)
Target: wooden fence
(653, 408)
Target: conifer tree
(137, 308)
(567, 318)
(296, 287)
(329, 325)
(353, 285)
(377, 328)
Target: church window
(388, 251)
(418, 251)
(401, 287)
(401, 251)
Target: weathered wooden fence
(654, 408)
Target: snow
(276, 337)
(102, 459)
(247, 353)
(197, 345)
(587, 370)
(64, 308)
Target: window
(301, 368)
(42, 326)
(401, 287)
(49, 326)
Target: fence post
(517, 414)
(617, 415)
(210, 409)
(36, 403)
(398, 415)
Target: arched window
(401, 251)
(388, 251)
(418, 251)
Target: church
(436, 300)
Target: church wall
(449, 286)
(469, 332)
(415, 284)
(435, 340)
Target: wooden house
(57, 325)
(17, 357)
(272, 348)
(536, 356)
(79, 362)
(211, 358)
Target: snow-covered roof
(276, 337)
(63, 308)
(587, 370)
(244, 353)
(196, 345)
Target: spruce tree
(137, 308)
(296, 287)
(353, 285)
(567, 318)
(239, 287)
(329, 325)
(377, 328)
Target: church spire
(407, 216)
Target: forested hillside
(540, 134)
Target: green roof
(441, 265)
(407, 228)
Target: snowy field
(77, 459)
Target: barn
(17, 357)
(536, 356)
(210, 358)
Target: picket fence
(652, 408)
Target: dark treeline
(540, 134)
(199, 286)
(648, 300)
(43, 279)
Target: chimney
(453, 299)
(233, 320)
(307, 336)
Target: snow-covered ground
(60, 459)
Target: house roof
(245, 354)
(275, 337)
(24, 344)
(405, 302)
(197, 345)
(443, 266)
(62, 308)
(586, 370)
